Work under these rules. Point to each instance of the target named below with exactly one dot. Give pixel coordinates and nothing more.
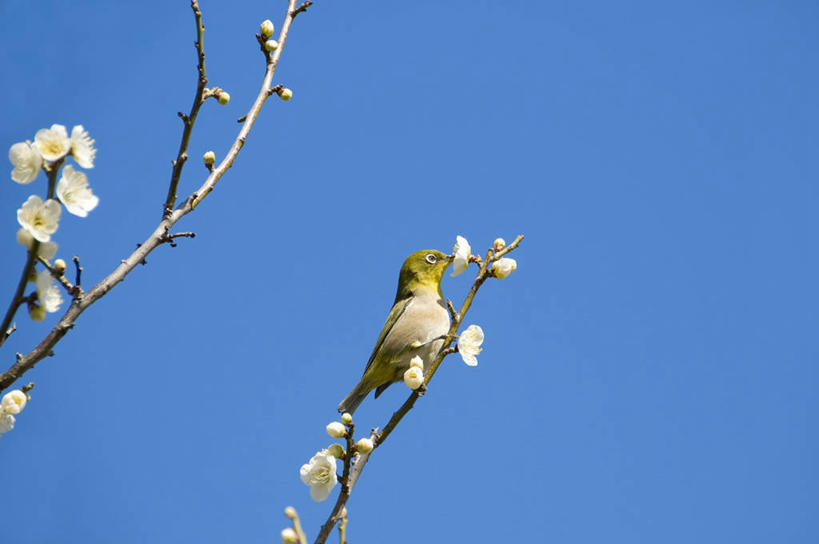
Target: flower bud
(499, 244)
(285, 94)
(271, 45)
(503, 267)
(347, 418)
(223, 98)
(289, 536)
(290, 512)
(414, 377)
(365, 445)
(336, 429)
(59, 266)
(336, 451)
(209, 158)
(13, 402)
(36, 312)
(267, 28)
(417, 362)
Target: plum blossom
(27, 161)
(73, 191)
(48, 294)
(39, 218)
(53, 142)
(504, 266)
(469, 343)
(320, 475)
(13, 402)
(82, 147)
(462, 250)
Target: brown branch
(156, 238)
(189, 119)
(18, 299)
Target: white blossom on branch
(53, 142)
(462, 251)
(82, 147)
(74, 193)
(27, 162)
(39, 218)
(320, 475)
(469, 344)
(48, 294)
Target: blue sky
(649, 372)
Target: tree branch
(158, 236)
(190, 119)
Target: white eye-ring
(431, 259)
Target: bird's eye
(431, 259)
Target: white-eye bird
(417, 325)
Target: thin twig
(78, 278)
(27, 362)
(302, 8)
(17, 299)
(189, 119)
(70, 289)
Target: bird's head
(422, 271)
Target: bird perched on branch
(416, 326)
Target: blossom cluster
(38, 218)
(12, 404)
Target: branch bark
(161, 232)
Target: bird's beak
(450, 258)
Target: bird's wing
(397, 311)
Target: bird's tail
(351, 401)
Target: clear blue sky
(649, 372)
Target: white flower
(73, 191)
(285, 94)
(347, 418)
(289, 536)
(320, 475)
(27, 161)
(82, 147)
(504, 266)
(13, 402)
(271, 45)
(336, 429)
(39, 218)
(417, 361)
(364, 445)
(47, 250)
(47, 292)
(414, 377)
(6, 423)
(462, 251)
(53, 142)
(209, 158)
(469, 344)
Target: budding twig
(70, 289)
(189, 119)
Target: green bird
(417, 325)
